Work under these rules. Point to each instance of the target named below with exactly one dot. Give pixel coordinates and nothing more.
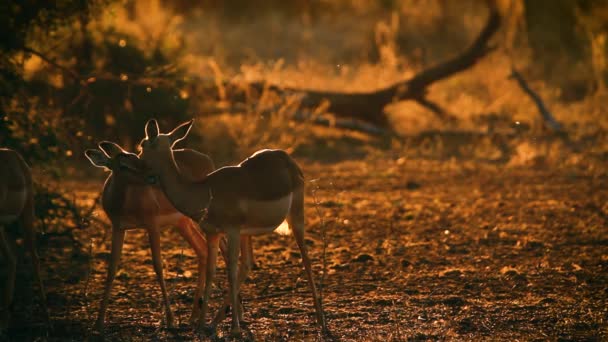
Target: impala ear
(130, 161)
(180, 132)
(151, 129)
(97, 158)
(111, 149)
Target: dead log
(365, 106)
(343, 123)
(369, 106)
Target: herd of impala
(214, 210)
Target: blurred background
(76, 72)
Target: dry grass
(356, 46)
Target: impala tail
(295, 171)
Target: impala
(251, 198)
(131, 203)
(17, 206)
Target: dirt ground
(415, 250)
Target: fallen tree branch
(435, 108)
(51, 62)
(548, 119)
(369, 106)
(364, 106)
(84, 80)
(343, 123)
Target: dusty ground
(416, 250)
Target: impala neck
(189, 198)
(114, 194)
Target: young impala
(17, 206)
(131, 203)
(254, 197)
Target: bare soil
(415, 250)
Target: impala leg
(196, 240)
(212, 249)
(118, 238)
(221, 313)
(233, 280)
(157, 260)
(10, 281)
(244, 269)
(249, 252)
(30, 242)
(296, 223)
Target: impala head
(156, 148)
(120, 162)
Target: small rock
(412, 185)
(363, 258)
(330, 204)
(103, 256)
(454, 301)
(451, 274)
(123, 275)
(412, 291)
(338, 267)
(532, 245)
(547, 301)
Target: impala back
(135, 204)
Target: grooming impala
(17, 206)
(254, 197)
(131, 203)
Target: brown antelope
(131, 203)
(252, 198)
(17, 206)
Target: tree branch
(369, 106)
(51, 62)
(546, 115)
(87, 79)
(434, 107)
